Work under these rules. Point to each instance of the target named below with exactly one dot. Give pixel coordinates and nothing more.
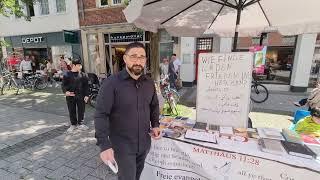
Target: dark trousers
(76, 106)
(130, 165)
(172, 80)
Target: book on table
(292, 136)
(272, 146)
(270, 133)
(300, 150)
(200, 126)
(201, 136)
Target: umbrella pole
(236, 33)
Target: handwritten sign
(223, 91)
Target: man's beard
(136, 69)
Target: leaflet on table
(270, 133)
(201, 136)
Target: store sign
(223, 91)
(288, 40)
(29, 40)
(126, 37)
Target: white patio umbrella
(227, 18)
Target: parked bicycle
(171, 95)
(259, 93)
(8, 82)
(34, 81)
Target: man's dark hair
(174, 54)
(315, 112)
(134, 45)
(76, 61)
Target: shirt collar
(125, 75)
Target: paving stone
(76, 163)
(3, 173)
(81, 172)
(43, 171)
(60, 173)
(90, 154)
(34, 177)
(94, 162)
(55, 164)
(22, 172)
(34, 165)
(103, 172)
(91, 178)
(17, 157)
(22, 163)
(4, 163)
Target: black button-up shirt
(126, 109)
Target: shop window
(205, 44)
(44, 7)
(116, 2)
(61, 6)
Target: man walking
(127, 108)
(25, 65)
(76, 88)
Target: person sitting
(313, 101)
(310, 125)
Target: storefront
(104, 47)
(41, 47)
(279, 57)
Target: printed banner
(174, 160)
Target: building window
(103, 3)
(61, 6)
(204, 44)
(44, 7)
(116, 2)
(30, 10)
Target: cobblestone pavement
(34, 145)
(53, 155)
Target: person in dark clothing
(76, 88)
(172, 75)
(127, 114)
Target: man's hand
(68, 93)
(86, 99)
(156, 133)
(107, 155)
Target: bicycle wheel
(259, 93)
(175, 95)
(93, 100)
(41, 83)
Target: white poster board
(223, 92)
(173, 160)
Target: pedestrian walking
(50, 70)
(172, 74)
(25, 67)
(127, 115)
(76, 88)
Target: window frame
(65, 7)
(100, 5)
(40, 7)
(112, 3)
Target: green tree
(12, 7)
